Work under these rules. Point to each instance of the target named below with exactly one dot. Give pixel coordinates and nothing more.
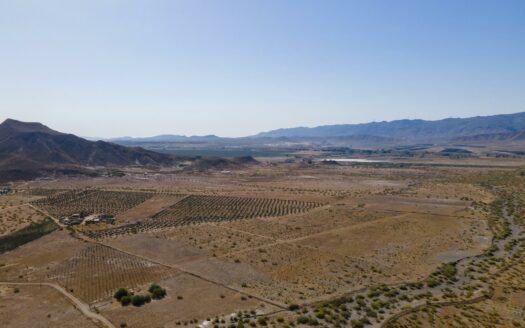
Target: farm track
(426, 213)
(43, 212)
(77, 303)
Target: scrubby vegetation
(120, 293)
(125, 297)
(157, 292)
(139, 300)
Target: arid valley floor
(411, 243)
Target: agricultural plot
(97, 271)
(33, 261)
(226, 208)
(91, 201)
(149, 208)
(223, 238)
(43, 192)
(202, 209)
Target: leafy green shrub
(125, 300)
(121, 292)
(262, 321)
(360, 323)
(313, 322)
(157, 292)
(448, 270)
(433, 282)
(303, 319)
(152, 287)
(293, 307)
(139, 300)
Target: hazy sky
(112, 68)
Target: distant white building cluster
(77, 218)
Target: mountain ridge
(29, 149)
(411, 129)
(403, 129)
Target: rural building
(78, 218)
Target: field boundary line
(46, 213)
(181, 269)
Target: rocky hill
(28, 149)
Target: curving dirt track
(81, 306)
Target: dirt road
(81, 306)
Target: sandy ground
(16, 217)
(34, 306)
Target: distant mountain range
(448, 129)
(494, 137)
(419, 130)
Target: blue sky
(232, 68)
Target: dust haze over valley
(262, 164)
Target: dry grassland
(16, 217)
(38, 307)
